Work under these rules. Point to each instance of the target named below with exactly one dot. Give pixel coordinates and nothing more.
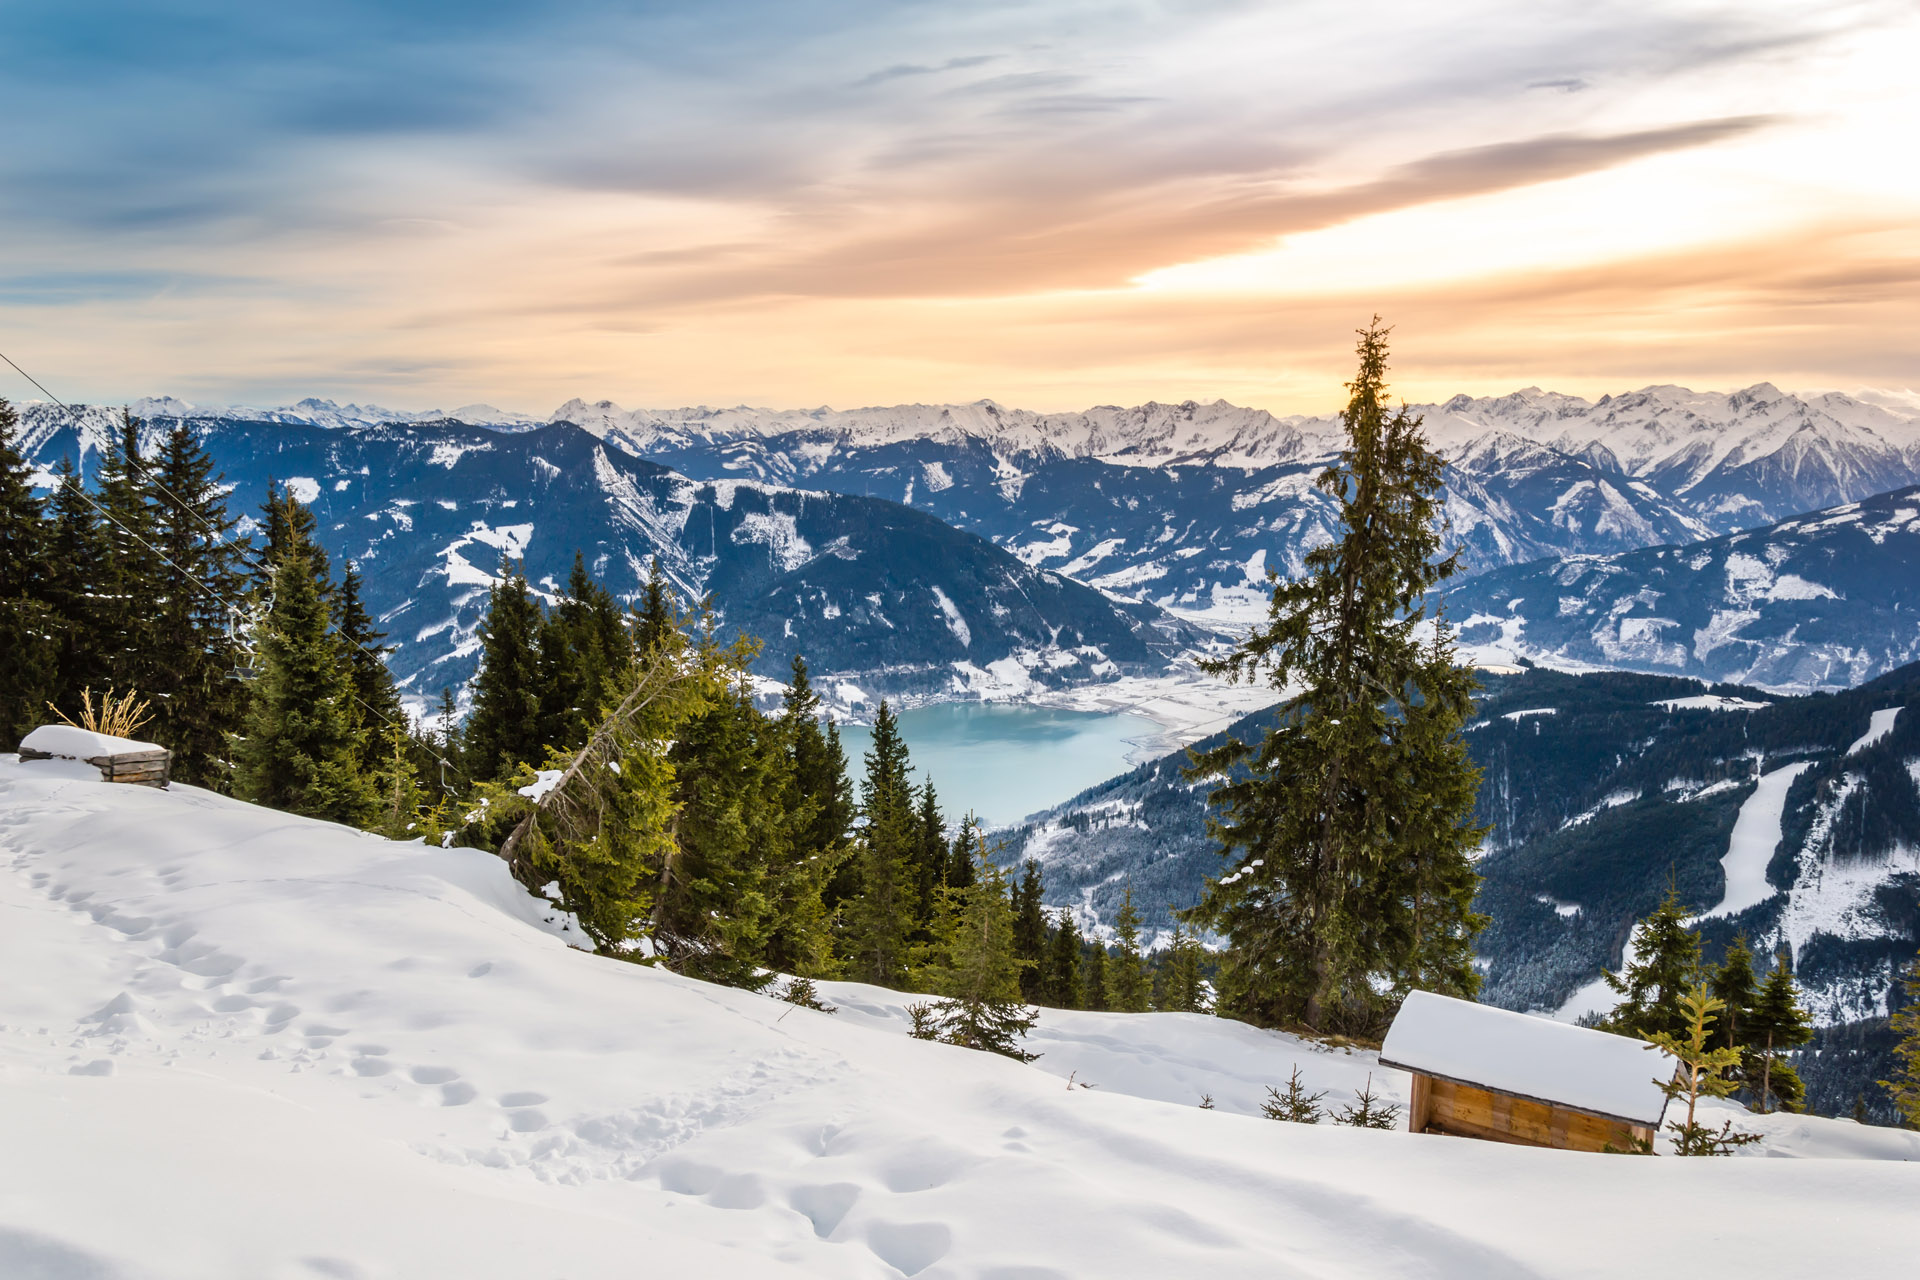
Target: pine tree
(960, 853)
(929, 856)
(375, 700)
(658, 615)
(1352, 821)
(446, 742)
(978, 969)
(75, 588)
(1296, 1105)
(1664, 962)
(1904, 1088)
(1062, 986)
(1129, 984)
(881, 915)
(29, 630)
(1093, 987)
(1702, 1073)
(302, 743)
(1734, 986)
(1775, 1026)
(192, 646)
(1030, 931)
(1366, 1111)
(718, 902)
(503, 730)
(1185, 990)
(397, 785)
(584, 650)
(130, 577)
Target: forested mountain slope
(1600, 789)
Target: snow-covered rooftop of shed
(1568, 1066)
(81, 744)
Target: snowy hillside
(1825, 600)
(261, 1046)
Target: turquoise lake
(1006, 761)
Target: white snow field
(1756, 834)
(235, 1043)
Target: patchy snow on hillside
(256, 1045)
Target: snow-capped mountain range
(1187, 506)
(880, 599)
(1824, 600)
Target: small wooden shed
(144, 764)
(1482, 1072)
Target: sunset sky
(1051, 204)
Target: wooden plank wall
(1468, 1112)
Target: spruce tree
(1184, 990)
(75, 589)
(1904, 1088)
(929, 855)
(960, 854)
(375, 699)
(1664, 957)
(1062, 986)
(1030, 931)
(192, 646)
(584, 651)
(820, 778)
(658, 615)
(29, 629)
(1093, 982)
(397, 786)
(1703, 1073)
(1296, 1105)
(882, 914)
(978, 970)
(302, 743)
(1733, 984)
(1351, 824)
(1775, 1026)
(130, 575)
(1129, 983)
(503, 730)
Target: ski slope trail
(1756, 834)
(240, 1044)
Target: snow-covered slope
(1820, 601)
(241, 1044)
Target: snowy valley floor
(239, 1044)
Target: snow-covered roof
(1515, 1053)
(81, 744)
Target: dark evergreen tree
(1129, 983)
(503, 730)
(450, 770)
(821, 785)
(960, 853)
(1663, 964)
(584, 652)
(76, 589)
(29, 629)
(1093, 981)
(976, 967)
(1030, 931)
(192, 646)
(929, 856)
(1062, 986)
(1366, 1111)
(882, 914)
(375, 700)
(1182, 989)
(1775, 1026)
(302, 744)
(658, 614)
(1351, 824)
(130, 573)
(1734, 986)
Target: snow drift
(238, 1043)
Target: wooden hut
(1482, 1072)
(118, 759)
